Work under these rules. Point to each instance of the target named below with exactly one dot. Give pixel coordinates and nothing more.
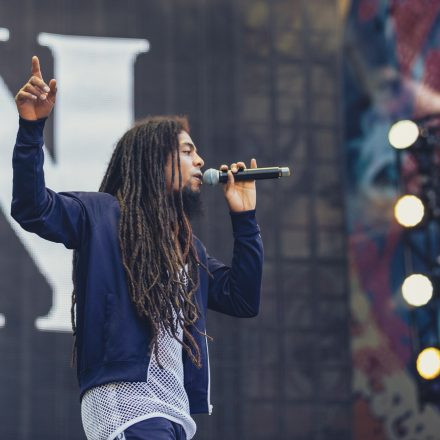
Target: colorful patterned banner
(391, 72)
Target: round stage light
(428, 363)
(403, 134)
(409, 211)
(417, 290)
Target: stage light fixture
(403, 134)
(409, 210)
(417, 290)
(428, 363)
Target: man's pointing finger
(36, 71)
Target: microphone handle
(256, 173)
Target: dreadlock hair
(155, 235)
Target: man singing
(142, 280)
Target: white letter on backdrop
(94, 107)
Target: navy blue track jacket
(112, 340)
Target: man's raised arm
(57, 217)
(236, 290)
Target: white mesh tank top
(109, 409)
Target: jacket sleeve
(58, 217)
(236, 290)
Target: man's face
(190, 166)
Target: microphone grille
(211, 177)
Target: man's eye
(187, 151)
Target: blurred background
(313, 85)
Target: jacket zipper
(209, 378)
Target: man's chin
(197, 188)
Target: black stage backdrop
(257, 79)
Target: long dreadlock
(155, 235)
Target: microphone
(213, 177)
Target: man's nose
(198, 161)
